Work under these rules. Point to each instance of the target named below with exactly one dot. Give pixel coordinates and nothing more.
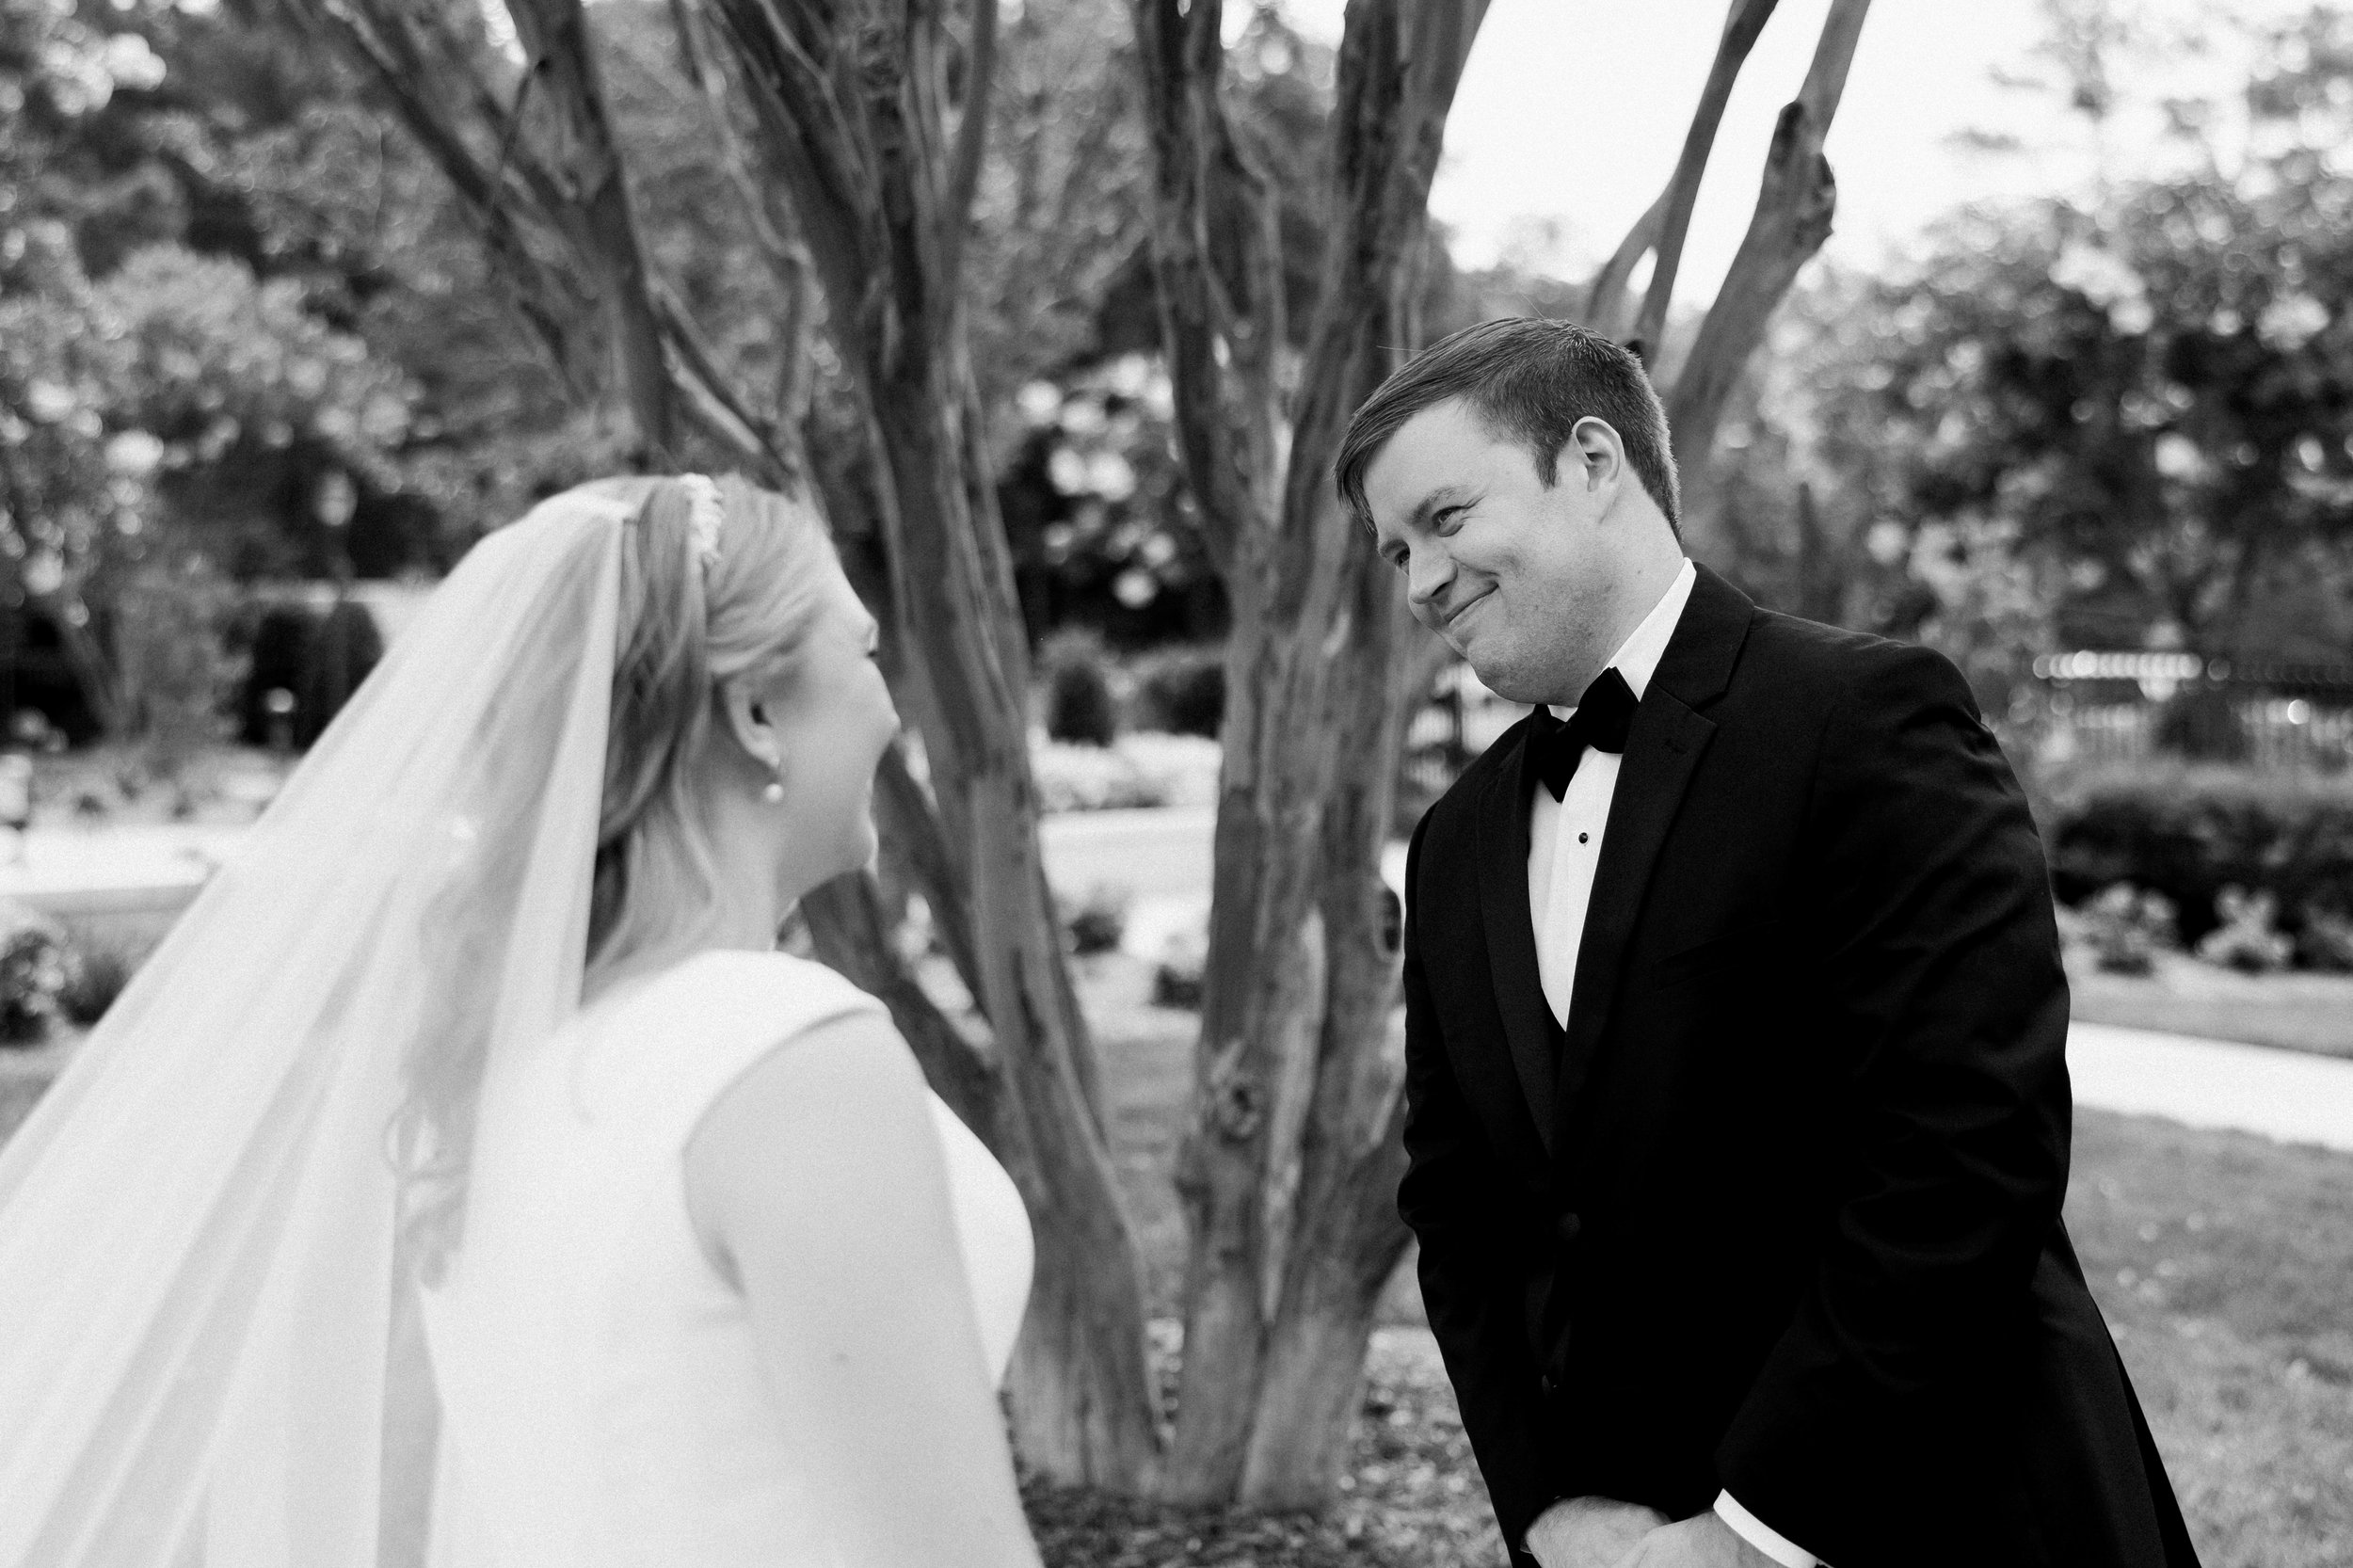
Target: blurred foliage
(2125, 926)
(1181, 691)
(35, 970)
(177, 673)
(2123, 418)
(1079, 706)
(2247, 938)
(2191, 831)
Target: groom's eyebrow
(1445, 495)
(1418, 521)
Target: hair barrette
(705, 516)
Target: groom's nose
(1428, 570)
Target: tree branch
(964, 169)
(1793, 209)
(1219, 332)
(1743, 23)
(1605, 305)
(555, 35)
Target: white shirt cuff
(1758, 1533)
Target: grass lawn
(2223, 1262)
(2295, 1012)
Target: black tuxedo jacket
(1780, 1211)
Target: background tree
(1288, 1171)
(2112, 419)
(775, 235)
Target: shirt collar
(1637, 658)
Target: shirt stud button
(1584, 838)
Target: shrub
(34, 969)
(2246, 939)
(2125, 928)
(93, 979)
(1182, 692)
(176, 671)
(317, 658)
(1080, 708)
(1177, 979)
(2326, 942)
(1100, 922)
(1181, 769)
(1089, 779)
(2188, 831)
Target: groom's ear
(1595, 455)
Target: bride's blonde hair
(688, 619)
(687, 624)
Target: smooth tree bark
(852, 102)
(1289, 1168)
(1792, 218)
(1743, 23)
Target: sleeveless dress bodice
(602, 1401)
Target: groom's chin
(1505, 679)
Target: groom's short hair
(1528, 380)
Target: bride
(466, 1183)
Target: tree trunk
(1283, 1169)
(849, 101)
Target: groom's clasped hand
(1603, 1532)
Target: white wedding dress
(602, 1397)
(213, 1351)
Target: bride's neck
(745, 917)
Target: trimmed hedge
(2189, 830)
(1181, 691)
(1080, 708)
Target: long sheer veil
(207, 1346)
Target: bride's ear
(750, 721)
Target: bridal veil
(208, 1348)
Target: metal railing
(2110, 707)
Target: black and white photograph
(1176, 784)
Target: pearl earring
(774, 793)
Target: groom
(1738, 1100)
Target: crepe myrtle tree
(855, 130)
(1289, 1164)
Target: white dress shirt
(1563, 847)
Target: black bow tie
(1603, 717)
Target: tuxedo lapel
(1528, 1029)
(1662, 749)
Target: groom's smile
(1453, 618)
(1499, 563)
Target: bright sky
(1571, 113)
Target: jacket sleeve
(1452, 1198)
(1946, 1014)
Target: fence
(2114, 706)
(2106, 707)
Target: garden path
(2290, 1096)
